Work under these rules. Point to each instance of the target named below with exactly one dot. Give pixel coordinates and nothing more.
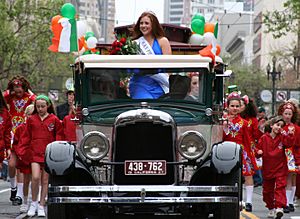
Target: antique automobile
(146, 157)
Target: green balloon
(88, 35)
(199, 16)
(198, 26)
(216, 30)
(68, 10)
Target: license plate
(145, 167)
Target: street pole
(273, 92)
(274, 74)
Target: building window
(257, 22)
(210, 10)
(211, 1)
(174, 1)
(257, 43)
(175, 19)
(176, 13)
(176, 6)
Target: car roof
(144, 61)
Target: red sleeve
(7, 131)
(256, 132)
(59, 130)
(25, 138)
(259, 146)
(246, 137)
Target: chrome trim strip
(138, 188)
(146, 200)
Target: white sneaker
(271, 213)
(23, 208)
(41, 211)
(32, 209)
(278, 213)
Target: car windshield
(110, 85)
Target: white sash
(161, 78)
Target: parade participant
(69, 125)
(5, 130)
(194, 92)
(236, 130)
(23, 159)
(63, 109)
(249, 113)
(18, 96)
(150, 36)
(289, 113)
(271, 146)
(42, 128)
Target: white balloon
(81, 28)
(209, 38)
(196, 39)
(91, 42)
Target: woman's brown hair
(157, 29)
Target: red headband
(289, 106)
(233, 95)
(17, 82)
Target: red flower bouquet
(124, 46)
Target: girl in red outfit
(42, 128)
(23, 159)
(69, 126)
(18, 96)
(289, 113)
(271, 146)
(5, 129)
(237, 131)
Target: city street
(7, 211)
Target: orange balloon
(209, 27)
(218, 50)
(56, 29)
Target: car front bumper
(142, 194)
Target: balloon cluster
(69, 34)
(88, 43)
(203, 32)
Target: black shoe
(13, 193)
(291, 208)
(286, 210)
(17, 201)
(248, 207)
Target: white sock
(20, 190)
(35, 203)
(13, 182)
(288, 196)
(291, 201)
(249, 193)
(40, 191)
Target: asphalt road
(8, 211)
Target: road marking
(4, 190)
(249, 215)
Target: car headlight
(191, 145)
(94, 145)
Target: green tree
(25, 36)
(249, 81)
(279, 23)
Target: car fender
(226, 157)
(60, 158)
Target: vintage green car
(142, 156)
